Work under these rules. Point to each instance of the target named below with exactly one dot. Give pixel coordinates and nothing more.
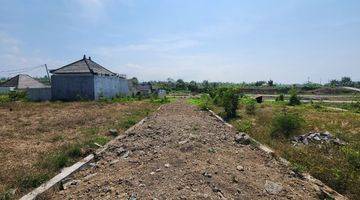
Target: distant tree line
(344, 81)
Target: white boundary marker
(67, 171)
(317, 184)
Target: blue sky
(284, 40)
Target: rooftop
(22, 81)
(83, 66)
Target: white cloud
(151, 45)
(13, 60)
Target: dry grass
(34, 136)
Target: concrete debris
(272, 187)
(317, 137)
(242, 138)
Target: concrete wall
(39, 94)
(72, 87)
(110, 86)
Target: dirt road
(181, 152)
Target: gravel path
(181, 152)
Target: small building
(144, 89)
(86, 79)
(22, 82)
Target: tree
(135, 81)
(193, 87)
(180, 85)
(346, 81)
(259, 83)
(334, 83)
(270, 83)
(206, 86)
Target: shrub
(294, 99)
(280, 97)
(286, 124)
(230, 102)
(205, 102)
(250, 105)
(17, 95)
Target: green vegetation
(281, 97)
(249, 103)
(285, 124)
(337, 166)
(294, 99)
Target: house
(86, 79)
(22, 82)
(144, 89)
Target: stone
(88, 177)
(183, 142)
(167, 165)
(207, 174)
(113, 132)
(114, 162)
(240, 168)
(133, 196)
(242, 138)
(272, 187)
(120, 151)
(69, 184)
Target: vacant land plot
(181, 152)
(336, 165)
(38, 139)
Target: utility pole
(47, 71)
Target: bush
(280, 97)
(205, 102)
(17, 95)
(286, 124)
(294, 99)
(250, 105)
(230, 102)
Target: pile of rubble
(317, 137)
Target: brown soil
(181, 152)
(30, 130)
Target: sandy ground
(181, 152)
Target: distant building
(144, 89)
(22, 82)
(85, 79)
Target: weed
(32, 180)
(243, 126)
(57, 138)
(128, 123)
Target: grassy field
(38, 139)
(337, 166)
